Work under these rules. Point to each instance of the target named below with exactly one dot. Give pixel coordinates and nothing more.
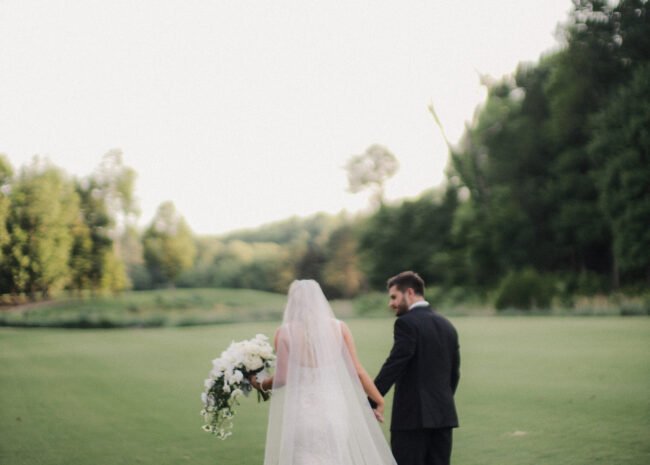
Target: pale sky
(245, 112)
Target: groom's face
(397, 301)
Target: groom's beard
(402, 308)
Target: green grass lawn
(533, 391)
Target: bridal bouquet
(228, 381)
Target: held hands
(379, 412)
(377, 408)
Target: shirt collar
(420, 303)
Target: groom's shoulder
(437, 316)
(444, 321)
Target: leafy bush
(524, 290)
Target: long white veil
(319, 414)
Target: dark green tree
(409, 236)
(168, 245)
(6, 175)
(621, 151)
(93, 243)
(604, 43)
(115, 183)
(502, 166)
(341, 273)
(81, 256)
(108, 213)
(533, 199)
(44, 207)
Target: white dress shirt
(420, 303)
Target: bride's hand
(253, 380)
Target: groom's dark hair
(405, 280)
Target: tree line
(60, 233)
(549, 188)
(547, 193)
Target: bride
(319, 412)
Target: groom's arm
(400, 355)
(455, 367)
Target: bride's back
(311, 345)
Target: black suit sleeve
(400, 355)
(455, 366)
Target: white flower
(236, 393)
(267, 354)
(229, 378)
(217, 365)
(237, 376)
(209, 383)
(262, 375)
(253, 363)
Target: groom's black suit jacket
(424, 365)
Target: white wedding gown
(320, 423)
(319, 413)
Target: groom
(424, 365)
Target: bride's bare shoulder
(345, 330)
